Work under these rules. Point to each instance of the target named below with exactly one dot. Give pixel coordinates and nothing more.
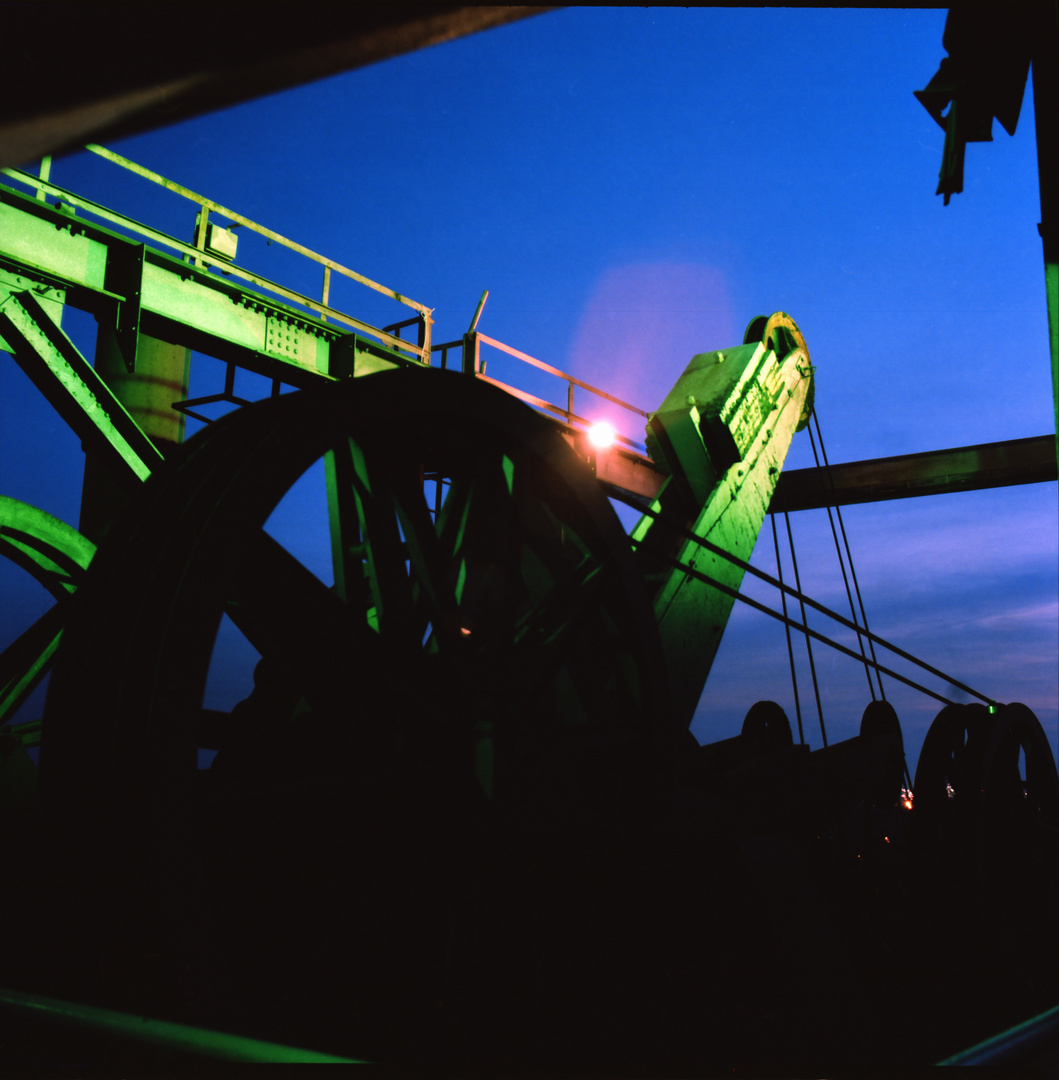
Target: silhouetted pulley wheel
(477, 684)
(1018, 821)
(986, 819)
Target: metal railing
(473, 364)
(198, 252)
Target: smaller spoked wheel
(1019, 815)
(986, 806)
(480, 681)
(949, 773)
(985, 822)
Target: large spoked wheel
(986, 822)
(481, 680)
(57, 556)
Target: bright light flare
(602, 434)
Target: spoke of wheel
(27, 659)
(289, 614)
(346, 560)
(555, 618)
(391, 588)
(487, 550)
(434, 591)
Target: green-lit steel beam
(182, 303)
(1021, 1045)
(75, 391)
(935, 472)
(723, 432)
(637, 480)
(27, 660)
(164, 1034)
(58, 557)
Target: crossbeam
(935, 472)
(74, 390)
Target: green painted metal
(56, 554)
(1016, 1045)
(25, 662)
(51, 299)
(73, 388)
(182, 303)
(330, 264)
(199, 258)
(166, 1034)
(723, 432)
(58, 557)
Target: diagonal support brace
(74, 390)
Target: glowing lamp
(601, 434)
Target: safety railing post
(200, 229)
(470, 353)
(424, 337)
(45, 174)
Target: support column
(1046, 113)
(160, 378)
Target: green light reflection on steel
(163, 1033)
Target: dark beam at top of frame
(964, 468)
(93, 72)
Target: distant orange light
(465, 631)
(602, 434)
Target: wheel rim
(526, 555)
(57, 556)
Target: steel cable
(841, 562)
(805, 621)
(845, 540)
(801, 628)
(787, 629)
(795, 594)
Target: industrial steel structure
(460, 819)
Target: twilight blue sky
(633, 185)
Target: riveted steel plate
(288, 341)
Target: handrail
(189, 251)
(567, 413)
(187, 193)
(539, 403)
(198, 254)
(526, 358)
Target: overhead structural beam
(964, 468)
(636, 480)
(81, 73)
